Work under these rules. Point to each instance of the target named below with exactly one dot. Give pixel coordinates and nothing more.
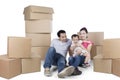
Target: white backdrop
(70, 15)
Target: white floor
(87, 74)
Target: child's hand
(78, 52)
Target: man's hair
(84, 29)
(74, 35)
(59, 32)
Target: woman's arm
(89, 48)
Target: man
(56, 55)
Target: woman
(79, 60)
(83, 35)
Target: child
(78, 49)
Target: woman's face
(83, 35)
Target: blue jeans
(53, 58)
(76, 61)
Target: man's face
(75, 39)
(63, 37)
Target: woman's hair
(59, 32)
(84, 29)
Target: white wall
(70, 15)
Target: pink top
(86, 43)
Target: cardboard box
(102, 65)
(40, 39)
(41, 51)
(96, 37)
(38, 26)
(38, 9)
(38, 12)
(40, 16)
(96, 50)
(116, 67)
(111, 48)
(99, 49)
(31, 65)
(19, 47)
(9, 67)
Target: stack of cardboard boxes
(19, 58)
(38, 24)
(111, 51)
(108, 59)
(24, 54)
(97, 39)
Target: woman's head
(83, 34)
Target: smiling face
(63, 37)
(75, 39)
(83, 35)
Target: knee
(51, 49)
(70, 58)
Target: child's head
(75, 38)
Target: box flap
(38, 9)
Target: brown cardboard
(19, 47)
(9, 68)
(111, 48)
(38, 12)
(38, 26)
(116, 67)
(41, 51)
(40, 16)
(102, 65)
(93, 52)
(40, 39)
(96, 49)
(38, 9)
(96, 37)
(31, 65)
(99, 49)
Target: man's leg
(71, 60)
(62, 71)
(50, 56)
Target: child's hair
(84, 29)
(59, 32)
(74, 35)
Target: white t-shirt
(61, 47)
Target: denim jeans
(53, 58)
(76, 61)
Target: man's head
(75, 38)
(62, 35)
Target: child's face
(75, 39)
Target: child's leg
(87, 57)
